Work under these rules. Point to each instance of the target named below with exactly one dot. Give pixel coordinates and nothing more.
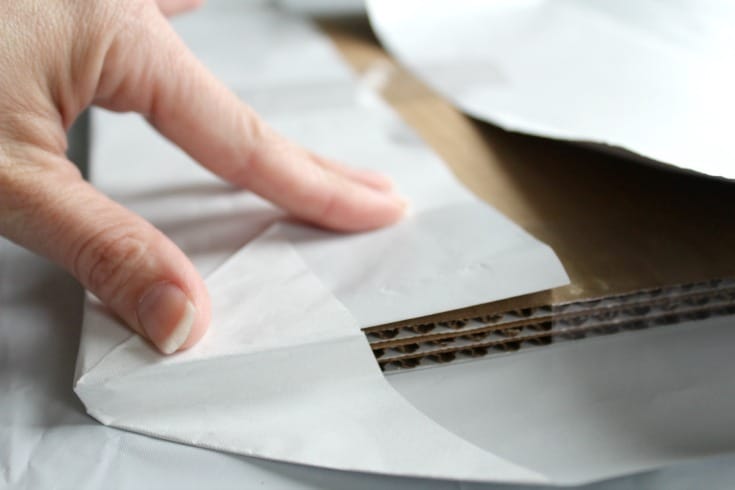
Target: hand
(58, 57)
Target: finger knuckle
(106, 262)
(251, 149)
(26, 177)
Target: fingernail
(167, 316)
(375, 180)
(402, 201)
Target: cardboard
(286, 372)
(621, 228)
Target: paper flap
(299, 384)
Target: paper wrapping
(641, 78)
(285, 372)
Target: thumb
(127, 263)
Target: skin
(60, 56)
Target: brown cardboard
(553, 323)
(620, 227)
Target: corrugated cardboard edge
(621, 229)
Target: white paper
(452, 251)
(40, 418)
(648, 77)
(593, 409)
(285, 371)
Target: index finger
(188, 105)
